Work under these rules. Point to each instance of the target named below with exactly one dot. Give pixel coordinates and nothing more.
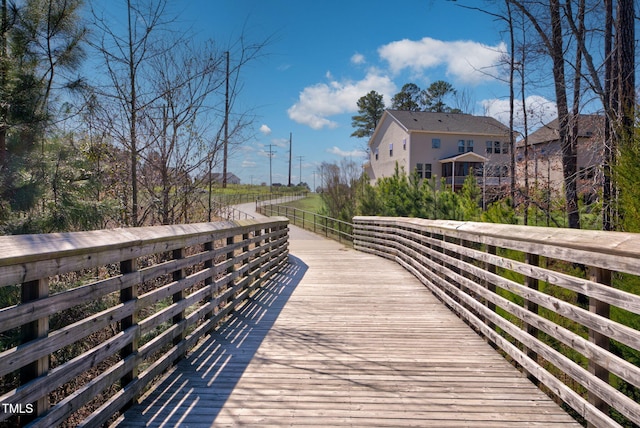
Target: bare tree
(186, 77)
(547, 21)
(125, 56)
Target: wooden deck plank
(343, 338)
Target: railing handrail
(299, 217)
(469, 267)
(174, 285)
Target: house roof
(589, 125)
(458, 123)
(218, 176)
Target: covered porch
(456, 168)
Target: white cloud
(249, 164)
(318, 102)
(468, 61)
(358, 59)
(347, 154)
(265, 130)
(280, 142)
(539, 109)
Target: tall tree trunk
(4, 62)
(609, 149)
(626, 66)
(512, 69)
(525, 119)
(569, 155)
(577, 87)
(625, 49)
(133, 101)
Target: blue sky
(324, 55)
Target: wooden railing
(332, 228)
(553, 300)
(104, 313)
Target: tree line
(111, 116)
(587, 47)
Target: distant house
(442, 145)
(544, 157)
(231, 178)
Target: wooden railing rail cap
(615, 243)
(32, 248)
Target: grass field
(312, 203)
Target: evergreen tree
(408, 99)
(470, 196)
(433, 98)
(40, 42)
(628, 177)
(370, 109)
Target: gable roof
(589, 125)
(464, 157)
(458, 123)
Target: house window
(427, 170)
(376, 154)
(404, 144)
(420, 170)
(390, 150)
(460, 146)
(469, 145)
(497, 148)
(435, 143)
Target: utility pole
(271, 152)
(226, 126)
(290, 152)
(300, 159)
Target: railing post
(177, 297)
(532, 284)
(34, 290)
(491, 287)
(245, 250)
(209, 281)
(126, 295)
(230, 255)
(602, 276)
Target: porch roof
(464, 157)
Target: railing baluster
(602, 276)
(491, 268)
(126, 295)
(34, 290)
(245, 256)
(178, 296)
(532, 284)
(210, 282)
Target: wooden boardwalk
(343, 338)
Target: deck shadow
(210, 373)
